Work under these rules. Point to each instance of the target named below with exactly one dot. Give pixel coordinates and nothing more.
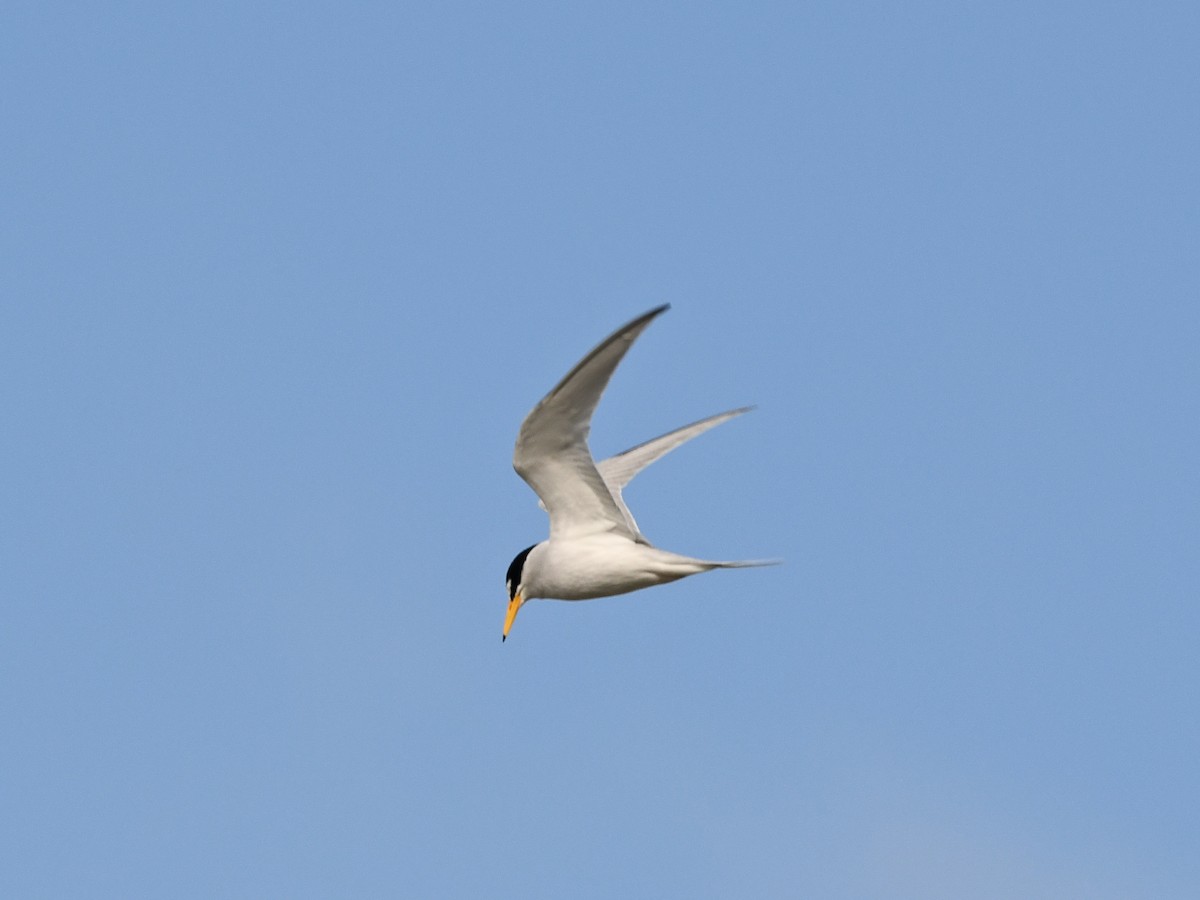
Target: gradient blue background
(279, 284)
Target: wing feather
(552, 452)
(617, 471)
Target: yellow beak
(514, 605)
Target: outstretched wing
(552, 453)
(617, 471)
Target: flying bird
(595, 548)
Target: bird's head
(515, 583)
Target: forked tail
(746, 563)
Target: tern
(595, 548)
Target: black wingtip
(646, 317)
(503, 638)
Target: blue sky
(280, 283)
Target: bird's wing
(552, 453)
(617, 471)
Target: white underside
(602, 565)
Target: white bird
(595, 548)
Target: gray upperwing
(552, 454)
(617, 471)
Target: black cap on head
(513, 577)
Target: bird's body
(595, 548)
(602, 565)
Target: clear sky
(279, 282)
